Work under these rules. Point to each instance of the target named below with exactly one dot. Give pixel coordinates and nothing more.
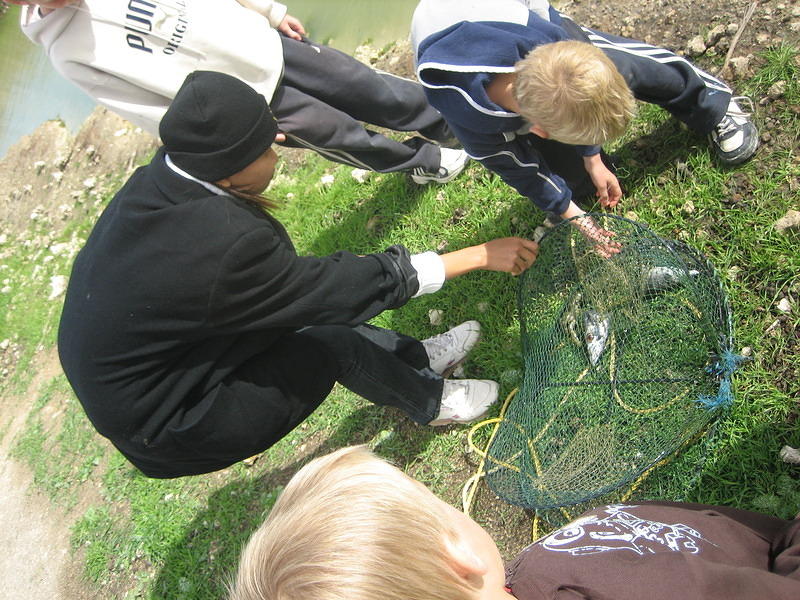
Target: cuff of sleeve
(273, 11)
(430, 272)
(588, 150)
(276, 14)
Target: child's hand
(601, 239)
(606, 183)
(510, 255)
(292, 27)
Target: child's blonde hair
(350, 526)
(574, 92)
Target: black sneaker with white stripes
(452, 163)
(735, 137)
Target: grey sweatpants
(325, 95)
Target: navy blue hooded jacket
(459, 46)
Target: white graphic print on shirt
(620, 529)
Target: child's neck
(501, 91)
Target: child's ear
(463, 560)
(537, 129)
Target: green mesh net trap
(626, 358)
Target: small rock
(483, 307)
(790, 455)
(696, 46)
(776, 90)
(360, 175)
(789, 221)
(713, 36)
(121, 132)
(5, 289)
(249, 462)
(326, 179)
(3, 238)
(5, 344)
(732, 28)
(58, 285)
(290, 196)
(688, 207)
(435, 316)
(38, 166)
(785, 306)
(59, 248)
(90, 182)
(733, 272)
(773, 327)
(747, 352)
(631, 216)
(741, 66)
(57, 176)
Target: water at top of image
(33, 92)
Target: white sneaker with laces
(452, 162)
(448, 349)
(465, 400)
(735, 137)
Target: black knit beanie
(216, 126)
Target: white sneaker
(465, 400)
(735, 138)
(448, 349)
(452, 162)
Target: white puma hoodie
(133, 55)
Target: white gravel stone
(58, 285)
(361, 175)
(436, 316)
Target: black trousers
(273, 392)
(325, 95)
(654, 75)
(661, 77)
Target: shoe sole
(423, 179)
(741, 154)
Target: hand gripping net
(626, 359)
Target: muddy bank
(47, 174)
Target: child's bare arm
(510, 255)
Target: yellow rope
(471, 485)
(612, 363)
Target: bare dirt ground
(50, 172)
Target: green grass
(146, 538)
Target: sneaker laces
(735, 117)
(439, 345)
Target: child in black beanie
(194, 335)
